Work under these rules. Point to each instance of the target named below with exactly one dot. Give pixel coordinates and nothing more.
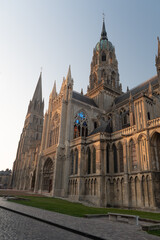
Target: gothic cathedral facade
(102, 147)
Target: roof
(137, 90)
(105, 127)
(83, 98)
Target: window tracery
(80, 125)
(54, 132)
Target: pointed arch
(120, 153)
(76, 161)
(103, 56)
(80, 124)
(94, 161)
(114, 149)
(48, 175)
(107, 157)
(133, 156)
(88, 160)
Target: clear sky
(54, 34)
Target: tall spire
(38, 91)
(69, 77)
(103, 33)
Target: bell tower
(104, 77)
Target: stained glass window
(80, 125)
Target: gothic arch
(80, 124)
(133, 155)
(143, 151)
(48, 175)
(114, 149)
(155, 151)
(103, 56)
(93, 159)
(120, 157)
(88, 160)
(107, 157)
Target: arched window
(48, 175)
(107, 158)
(123, 115)
(76, 161)
(89, 161)
(103, 57)
(54, 133)
(120, 151)
(80, 125)
(94, 160)
(133, 156)
(113, 78)
(109, 119)
(115, 158)
(72, 162)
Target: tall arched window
(48, 175)
(103, 57)
(80, 125)
(107, 158)
(120, 151)
(115, 158)
(72, 162)
(133, 156)
(89, 161)
(113, 79)
(76, 161)
(94, 160)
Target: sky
(53, 34)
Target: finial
(103, 33)
(103, 16)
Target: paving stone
(99, 227)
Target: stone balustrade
(154, 122)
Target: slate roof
(105, 127)
(137, 90)
(83, 98)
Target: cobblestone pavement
(14, 226)
(99, 227)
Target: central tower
(104, 83)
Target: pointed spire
(53, 93)
(38, 91)
(103, 33)
(69, 76)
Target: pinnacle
(103, 33)
(38, 91)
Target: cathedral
(102, 147)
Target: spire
(103, 33)
(69, 77)
(38, 91)
(53, 93)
